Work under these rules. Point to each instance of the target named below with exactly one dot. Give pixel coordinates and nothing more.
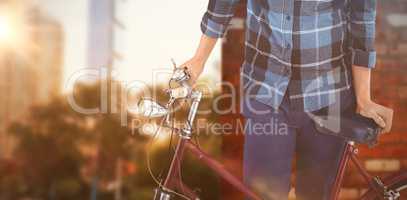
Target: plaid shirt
(303, 47)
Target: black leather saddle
(350, 126)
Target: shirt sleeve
(362, 23)
(217, 17)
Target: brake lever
(181, 76)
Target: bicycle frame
(173, 179)
(350, 153)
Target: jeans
(271, 142)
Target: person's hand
(195, 67)
(196, 64)
(382, 115)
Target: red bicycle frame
(350, 153)
(173, 179)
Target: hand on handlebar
(195, 67)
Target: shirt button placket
(288, 26)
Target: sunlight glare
(6, 30)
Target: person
(301, 57)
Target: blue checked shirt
(302, 48)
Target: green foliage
(47, 155)
(49, 160)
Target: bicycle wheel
(396, 182)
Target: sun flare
(6, 29)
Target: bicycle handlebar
(150, 108)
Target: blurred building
(30, 72)
(391, 32)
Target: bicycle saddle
(352, 127)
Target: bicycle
(389, 188)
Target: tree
(59, 152)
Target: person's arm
(196, 64)
(362, 39)
(362, 23)
(382, 115)
(213, 26)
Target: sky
(156, 31)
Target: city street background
(49, 151)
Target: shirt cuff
(364, 58)
(212, 28)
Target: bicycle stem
(187, 130)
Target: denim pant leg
(268, 151)
(318, 158)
